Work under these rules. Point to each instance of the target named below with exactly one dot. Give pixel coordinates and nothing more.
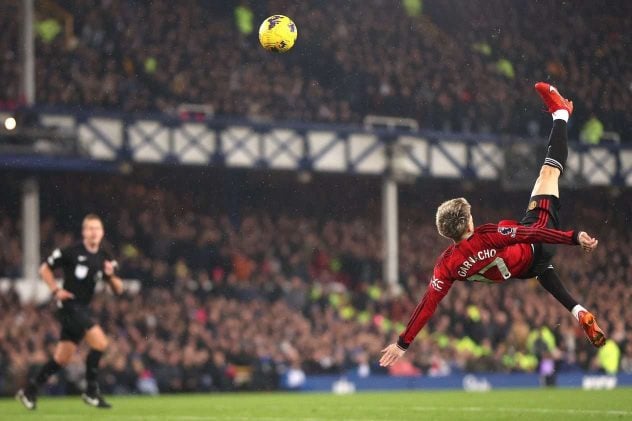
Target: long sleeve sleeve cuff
(403, 345)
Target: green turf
(529, 405)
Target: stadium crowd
(255, 295)
(450, 65)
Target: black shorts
(75, 320)
(543, 211)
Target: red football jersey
(494, 253)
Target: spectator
(462, 67)
(313, 285)
(592, 131)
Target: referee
(83, 265)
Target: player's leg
(547, 182)
(544, 202)
(552, 283)
(544, 208)
(98, 342)
(63, 354)
(557, 149)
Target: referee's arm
(115, 282)
(49, 277)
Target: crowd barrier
(469, 382)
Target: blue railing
(108, 139)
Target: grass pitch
(543, 404)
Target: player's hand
(64, 295)
(587, 242)
(108, 268)
(392, 353)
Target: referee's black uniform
(82, 270)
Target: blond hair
(453, 218)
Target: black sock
(552, 283)
(47, 370)
(92, 370)
(558, 146)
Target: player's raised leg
(547, 185)
(557, 150)
(98, 342)
(63, 354)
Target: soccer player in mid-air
(83, 265)
(494, 253)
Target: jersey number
(502, 268)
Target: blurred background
(273, 215)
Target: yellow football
(277, 33)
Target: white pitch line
(610, 412)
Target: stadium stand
(453, 67)
(209, 267)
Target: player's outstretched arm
(587, 242)
(506, 235)
(391, 354)
(437, 289)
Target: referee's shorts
(75, 320)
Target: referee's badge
(81, 271)
(532, 205)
